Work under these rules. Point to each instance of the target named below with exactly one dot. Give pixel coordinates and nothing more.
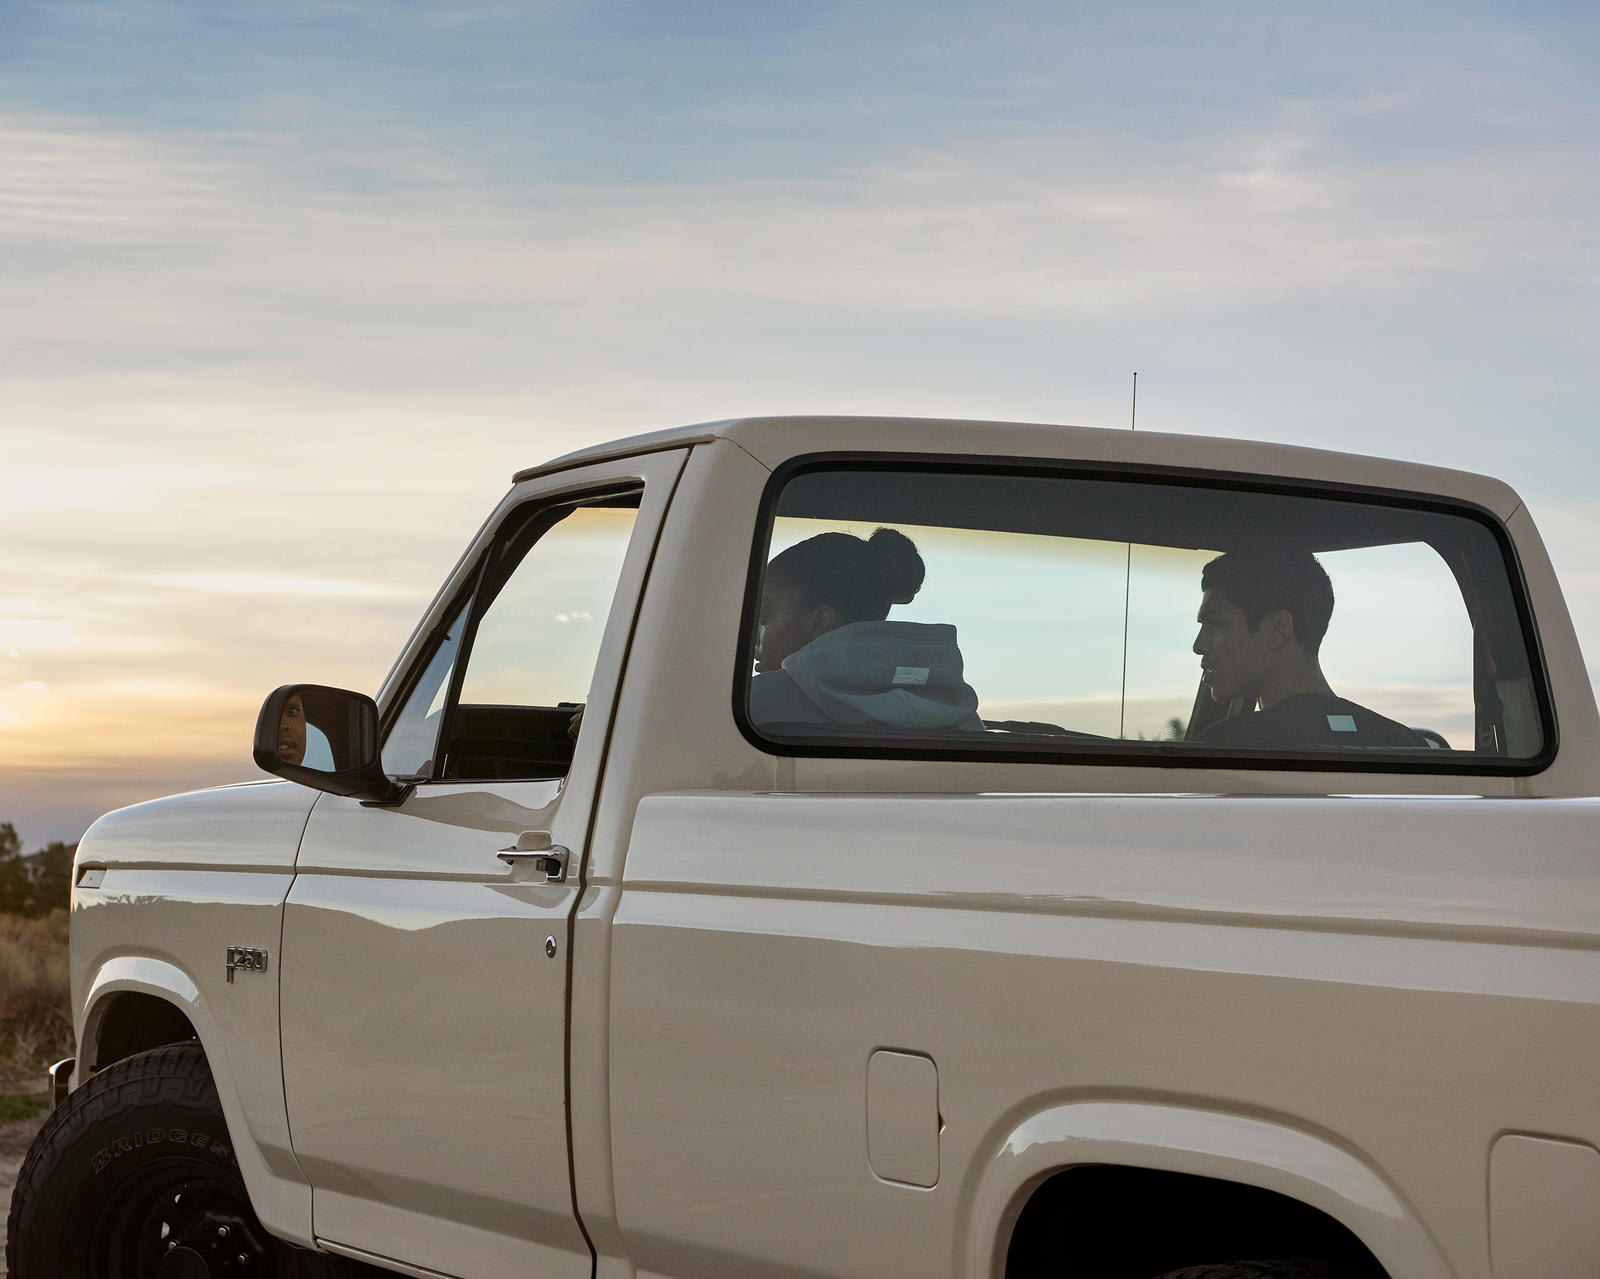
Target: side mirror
(325, 738)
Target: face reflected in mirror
(292, 731)
(300, 741)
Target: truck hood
(249, 826)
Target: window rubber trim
(1142, 754)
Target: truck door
(425, 946)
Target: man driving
(1262, 618)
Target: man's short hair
(1258, 582)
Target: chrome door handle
(552, 860)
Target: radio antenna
(1127, 584)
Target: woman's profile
(827, 654)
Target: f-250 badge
(246, 959)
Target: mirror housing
(327, 739)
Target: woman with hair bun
(828, 656)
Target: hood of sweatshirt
(901, 674)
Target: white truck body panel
(453, 1168)
(766, 945)
(185, 878)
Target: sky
(287, 292)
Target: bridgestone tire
(134, 1177)
(1268, 1270)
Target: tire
(1285, 1269)
(134, 1177)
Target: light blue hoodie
(871, 674)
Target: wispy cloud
(284, 310)
(269, 584)
(223, 241)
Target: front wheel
(134, 1177)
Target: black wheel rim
(179, 1219)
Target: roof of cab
(774, 440)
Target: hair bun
(899, 566)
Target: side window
(961, 613)
(497, 696)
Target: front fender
(251, 1092)
(1253, 1152)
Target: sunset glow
(291, 292)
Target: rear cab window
(908, 607)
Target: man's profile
(1262, 618)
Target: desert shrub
(35, 994)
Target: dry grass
(35, 1000)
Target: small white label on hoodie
(910, 674)
(1342, 723)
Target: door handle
(552, 859)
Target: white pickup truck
(1064, 881)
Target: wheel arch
(1263, 1154)
(127, 988)
(124, 1022)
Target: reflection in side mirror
(325, 738)
(299, 742)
